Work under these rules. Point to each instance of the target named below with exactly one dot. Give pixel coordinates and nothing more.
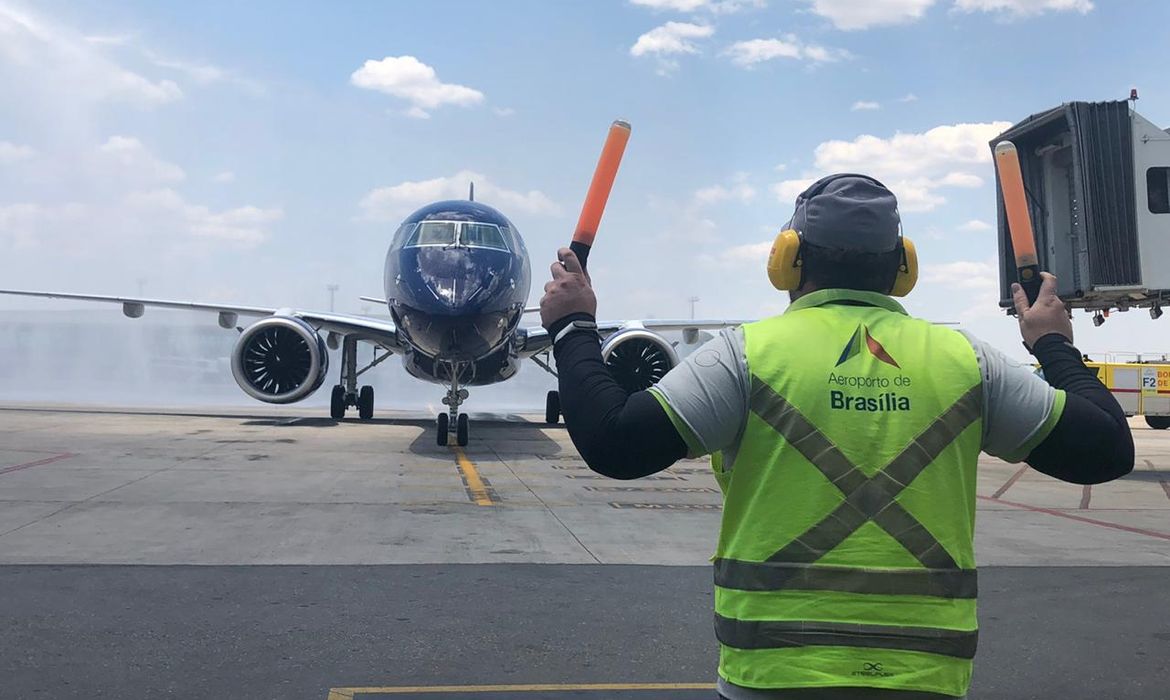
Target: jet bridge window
(482, 236)
(433, 233)
(1158, 190)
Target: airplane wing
(379, 331)
(536, 339)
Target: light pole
(693, 300)
(332, 292)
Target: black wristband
(559, 325)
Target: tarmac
(280, 554)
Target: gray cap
(848, 212)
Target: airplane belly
(495, 367)
(455, 338)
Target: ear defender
(907, 270)
(784, 263)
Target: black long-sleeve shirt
(630, 436)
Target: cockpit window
(402, 235)
(482, 236)
(433, 233)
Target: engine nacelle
(638, 358)
(280, 359)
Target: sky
(257, 152)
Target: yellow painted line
(348, 693)
(479, 491)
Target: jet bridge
(1097, 176)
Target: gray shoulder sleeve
(708, 390)
(1016, 402)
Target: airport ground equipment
(1141, 385)
(1096, 177)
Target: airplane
(457, 276)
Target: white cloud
(738, 256)
(504, 111)
(909, 97)
(109, 39)
(12, 152)
(865, 105)
(863, 14)
(715, 194)
(914, 166)
(205, 73)
(127, 203)
(202, 73)
(958, 179)
(245, 226)
(396, 201)
(1023, 8)
(670, 39)
(224, 177)
(974, 284)
(963, 274)
(63, 60)
(153, 218)
(410, 79)
(748, 53)
(975, 225)
(852, 15)
(712, 6)
(137, 162)
(22, 223)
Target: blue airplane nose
(456, 291)
(456, 281)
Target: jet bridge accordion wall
(1078, 163)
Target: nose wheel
(453, 425)
(459, 431)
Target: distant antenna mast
(471, 192)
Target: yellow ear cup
(907, 270)
(784, 261)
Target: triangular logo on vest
(862, 339)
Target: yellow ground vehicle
(1141, 386)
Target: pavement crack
(545, 505)
(74, 504)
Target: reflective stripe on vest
(767, 634)
(866, 499)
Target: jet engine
(280, 359)
(638, 358)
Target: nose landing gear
(453, 423)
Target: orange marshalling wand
(603, 177)
(1015, 204)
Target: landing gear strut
(453, 421)
(346, 393)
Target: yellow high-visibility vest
(846, 555)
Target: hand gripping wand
(1015, 204)
(603, 176)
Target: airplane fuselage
(456, 280)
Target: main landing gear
(552, 408)
(453, 422)
(346, 393)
